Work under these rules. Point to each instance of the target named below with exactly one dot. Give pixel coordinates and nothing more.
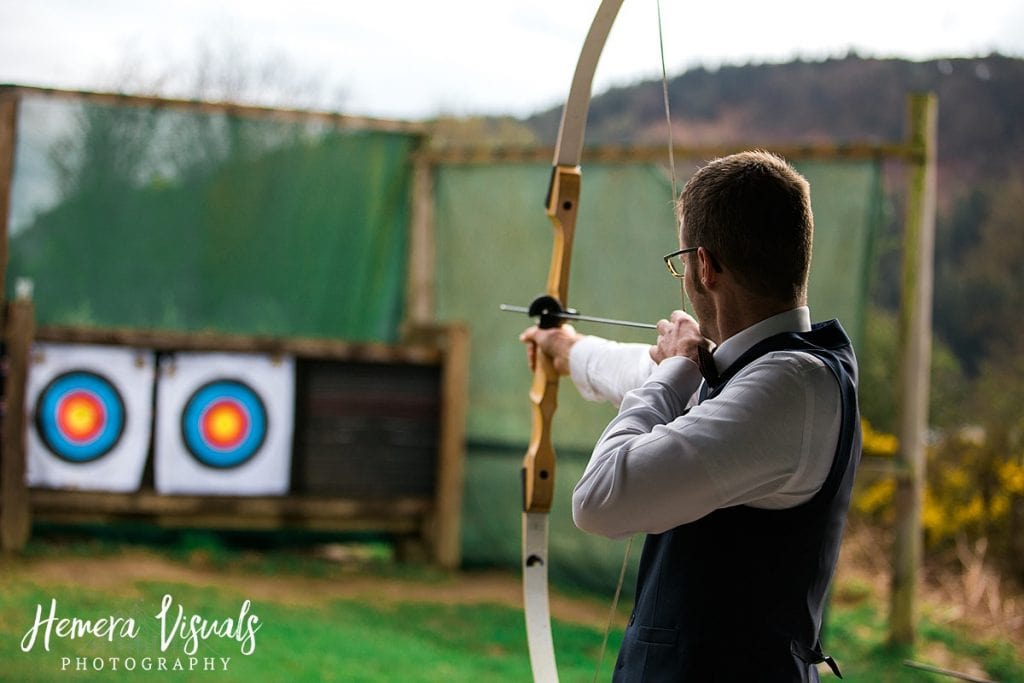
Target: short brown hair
(752, 211)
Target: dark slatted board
(366, 430)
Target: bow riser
(539, 461)
(563, 203)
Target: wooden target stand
(398, 473)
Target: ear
(709, 274)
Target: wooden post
(14, 507)
(447, 536)
(915, 339)
(8, 125)
(17, 336)
(420, 284)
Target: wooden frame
(433, 522)
(918, 153)
(437, 520)
(12, 93)
(424, 525)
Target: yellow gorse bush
(954, 501)
(1011, 477)
(877, 443)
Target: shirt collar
(795, 320)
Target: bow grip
(539, 463)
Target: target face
(80, 416)
(224, 424)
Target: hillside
(980, 155)
(981, 105)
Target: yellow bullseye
(225, 424)
(80, 416)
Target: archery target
(224, 424)
(80, 416)
(90, 410)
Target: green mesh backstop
(140, 216)
(493, 246)
(134, 215)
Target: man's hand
(554, 342)
(679, 336)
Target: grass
(342, 640)
(371, 638)
(857, 634)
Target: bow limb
(539, 462)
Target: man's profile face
(693, 289)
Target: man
(741, 478)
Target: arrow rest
(549, 310)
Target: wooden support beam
(481, 154)
(8, 129)
(915, 340)
(15, 519)
(446, 533)
(396, 516)
(172, 340)
(420, 280)
(333, 119)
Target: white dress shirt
(766, 440)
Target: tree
(980, 283)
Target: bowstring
(612, 610)
(671, 144)
(672, 171)
(668, 111)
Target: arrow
(573, 315)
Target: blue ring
(48, 425)
(191, 424)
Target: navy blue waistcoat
(738, 595)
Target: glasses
(677, 264)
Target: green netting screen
(186, 219)
(176, 218)
(493, 246)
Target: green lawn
(369, 639)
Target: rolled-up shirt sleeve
(604, 370)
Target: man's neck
(741, 312)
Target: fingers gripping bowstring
(672, 171)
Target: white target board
(89, 414)
(224, 424)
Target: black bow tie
(706, 365)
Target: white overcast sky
(417, 58)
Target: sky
(411, 59)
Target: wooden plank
(8, 130)
(915, 339)
(334, 119)
(384, 525)
(420, 279)
(401, 515)
(171, 340)
(491, 154)
(15, 519)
